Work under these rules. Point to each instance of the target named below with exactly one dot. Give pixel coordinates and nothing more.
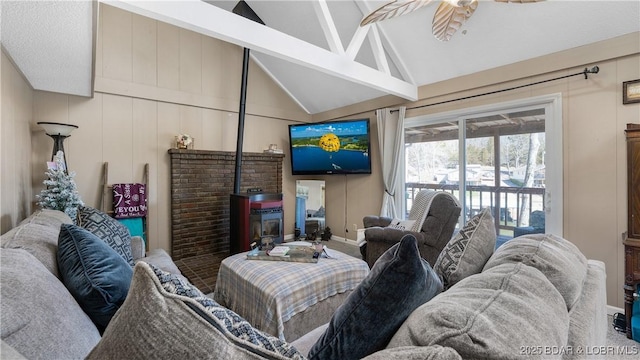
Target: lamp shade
(53, 128)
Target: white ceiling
(51, 42)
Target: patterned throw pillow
(401, 224)
(108, 229)
(166, 316)
(468, 251)
(224, 318)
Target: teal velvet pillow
(95, 274)
(399, 282)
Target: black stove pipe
(241, 113)
(243, 9)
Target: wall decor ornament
(184, 141)
(631, 92)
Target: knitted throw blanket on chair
(422, 204)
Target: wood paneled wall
(153, 82)
(16, 114)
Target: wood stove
(255, 216)
(266, 221)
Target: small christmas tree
(61, 192)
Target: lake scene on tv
(339, 147)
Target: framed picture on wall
(631, 92)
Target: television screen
(337, 147)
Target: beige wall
(154, 81)
(594, 149)
(16, 104)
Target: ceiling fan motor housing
(460, 3)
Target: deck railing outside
(508, 215)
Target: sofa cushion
(108, 229)
(40, 241)
(558, 259)
(588, 321)
(434, 352)
(165, 317)
(467, 252)
(38, 234)
(8, 352)
(96, 276)
(48, 217)
(399, 281)
(496, 314)
(161, 259)
(38, 316)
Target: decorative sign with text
(129, 200)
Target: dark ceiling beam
(488, 131)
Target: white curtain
(390, 141)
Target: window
(504, 156)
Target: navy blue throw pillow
(95, 274)
(399, 282)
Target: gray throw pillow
(96, 276)
(39, 240)
(166, 317)
(492, 315)
(108, 229)
(399, 282)
(467, 252)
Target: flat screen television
(336, 147)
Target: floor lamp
(58, 132)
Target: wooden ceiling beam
(430, 133)
(209, 20)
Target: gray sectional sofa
(40, 319)
(535, 297)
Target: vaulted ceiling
(315, 49)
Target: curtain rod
(585, 72)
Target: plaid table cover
(269, 293)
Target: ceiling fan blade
(393, 9)
(448, 19)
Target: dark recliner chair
(442, 213)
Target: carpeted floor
(344, 247)
(619, 345)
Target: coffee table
(287, 299)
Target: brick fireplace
(201, 185)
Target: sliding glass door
(506, 157)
